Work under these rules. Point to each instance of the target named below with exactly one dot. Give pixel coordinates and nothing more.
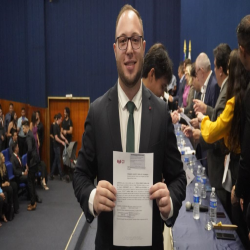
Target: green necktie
(130, 128)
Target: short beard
(129, 82)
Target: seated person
(13, 140)
(9, 187)
(20, 171)
(3, 206)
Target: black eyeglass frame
(129, 38)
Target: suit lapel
(113, 119)
(146, 120)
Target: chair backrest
(24, 160)
(9, 168)
(6, 154)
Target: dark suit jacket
(243, 183)
(178, 97)
(32, 155)
(216, 151)
(102, 137)
(212, 91)
(17, 167)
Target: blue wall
(209, 23)
(53, 49)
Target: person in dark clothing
(40, 132)
(9, 187)
(59, 139)
(33, 161)
(2, 131)
(20, 171)
(67, 125)
(13, 140)
(52, 154)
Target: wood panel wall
(29, 110)
(79, 108)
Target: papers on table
(187, 119)
(133, 213)
(190, 176)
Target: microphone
(190, 206)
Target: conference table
(189, 233)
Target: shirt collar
(123, 99)
(223, 83)
(204, 87)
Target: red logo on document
(119, 161)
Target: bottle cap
(213, 189)
(203, 168)
(196, 184)
(199, 166)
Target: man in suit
(216, 151)
(20, 171)
(106, 131)
(241, 192)
(13, 140)
(157, 72)
(33, 161)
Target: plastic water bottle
(178, 138)
(198, 180)
(191, 164)
(213, 206)
(203, 184)
(186, 162)
(196, 208)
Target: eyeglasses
(123, 42)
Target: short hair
(157, 58)
(181, 67)
(67, 111)
(13, 132)
(243, 33)
(23, 109)
(11, 104)
(187, 61)
(203, 62)
(25, 123)
(192, 71)
(55, 116)
(15, 144)
(221, 55)
(59, 116)
(128, 7)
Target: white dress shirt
(123, 116)
(204, 87)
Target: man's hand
(200, 116)
(105, 197)
(2, 195)
(195, 123)
(66, 141)
(170, 98)
(183, 126)
(175, 117)
(180, 110)
(234, 199)
(196, 134)
(64, 132)
(199, 106)
(188, 132)
(241, 204)
(6, 184)
(63, 143)
(2, 137)
(26, 172)
(160, 192)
